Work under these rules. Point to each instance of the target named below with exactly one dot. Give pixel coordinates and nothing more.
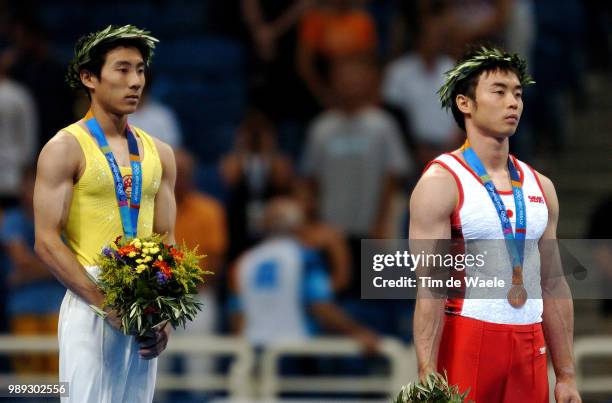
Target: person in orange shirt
(200, 218)
(336, 29)
(200, 221)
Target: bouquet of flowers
(149, 283)
(433, 389)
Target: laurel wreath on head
(481, 59)
(85, 45)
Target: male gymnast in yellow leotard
(76, 198)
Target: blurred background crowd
(300, 128)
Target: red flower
(164, 268)
(127, 249)
(176, 254)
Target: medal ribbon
(515, 243)
(128, 210)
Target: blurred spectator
(271, 23)
(466, 21)
(325, 239)
(200, 218)
(405, 21)
(200, 222)
(472, 21)
(281, 290)
(275, 87)
(519, 37)
(34, 296)
(254, 171)
(18, 124)
(335, 29)
(521, 29)
(37, 68)
(411, 83)
(354, 154)
(354, 158)
(156, 118)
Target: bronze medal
(517, 296)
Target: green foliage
(433, 389)
(483, 57)
(149, 282)
(82, 51)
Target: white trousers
(101, 364)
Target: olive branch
(85, 45)
(482, 58)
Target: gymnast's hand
(566, 391)
(153, 344)
(112, 318)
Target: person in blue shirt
(282, 291)
(34, 295)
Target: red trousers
(499, 363)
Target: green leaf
(434, 388)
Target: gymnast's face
(122, 79)
(498, 104)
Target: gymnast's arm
(558, 313)
(58, 167)
(165, 203)
(163, 223)
(431, 204)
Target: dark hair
(98, 55)
(467, 86)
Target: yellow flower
(160, 258)
(132, 254)
(136, 242)
(148, 244)
(148, 259)
(145, 251)
(154, 250)
(140, 268)
(139, 261)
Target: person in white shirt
(354, 159)
(411, 82)
(18, 125)
(281, 290)
(153, 116)
(354, 154)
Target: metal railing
(239, 384)
(402, 364)
(233, 382)
(592, 347)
